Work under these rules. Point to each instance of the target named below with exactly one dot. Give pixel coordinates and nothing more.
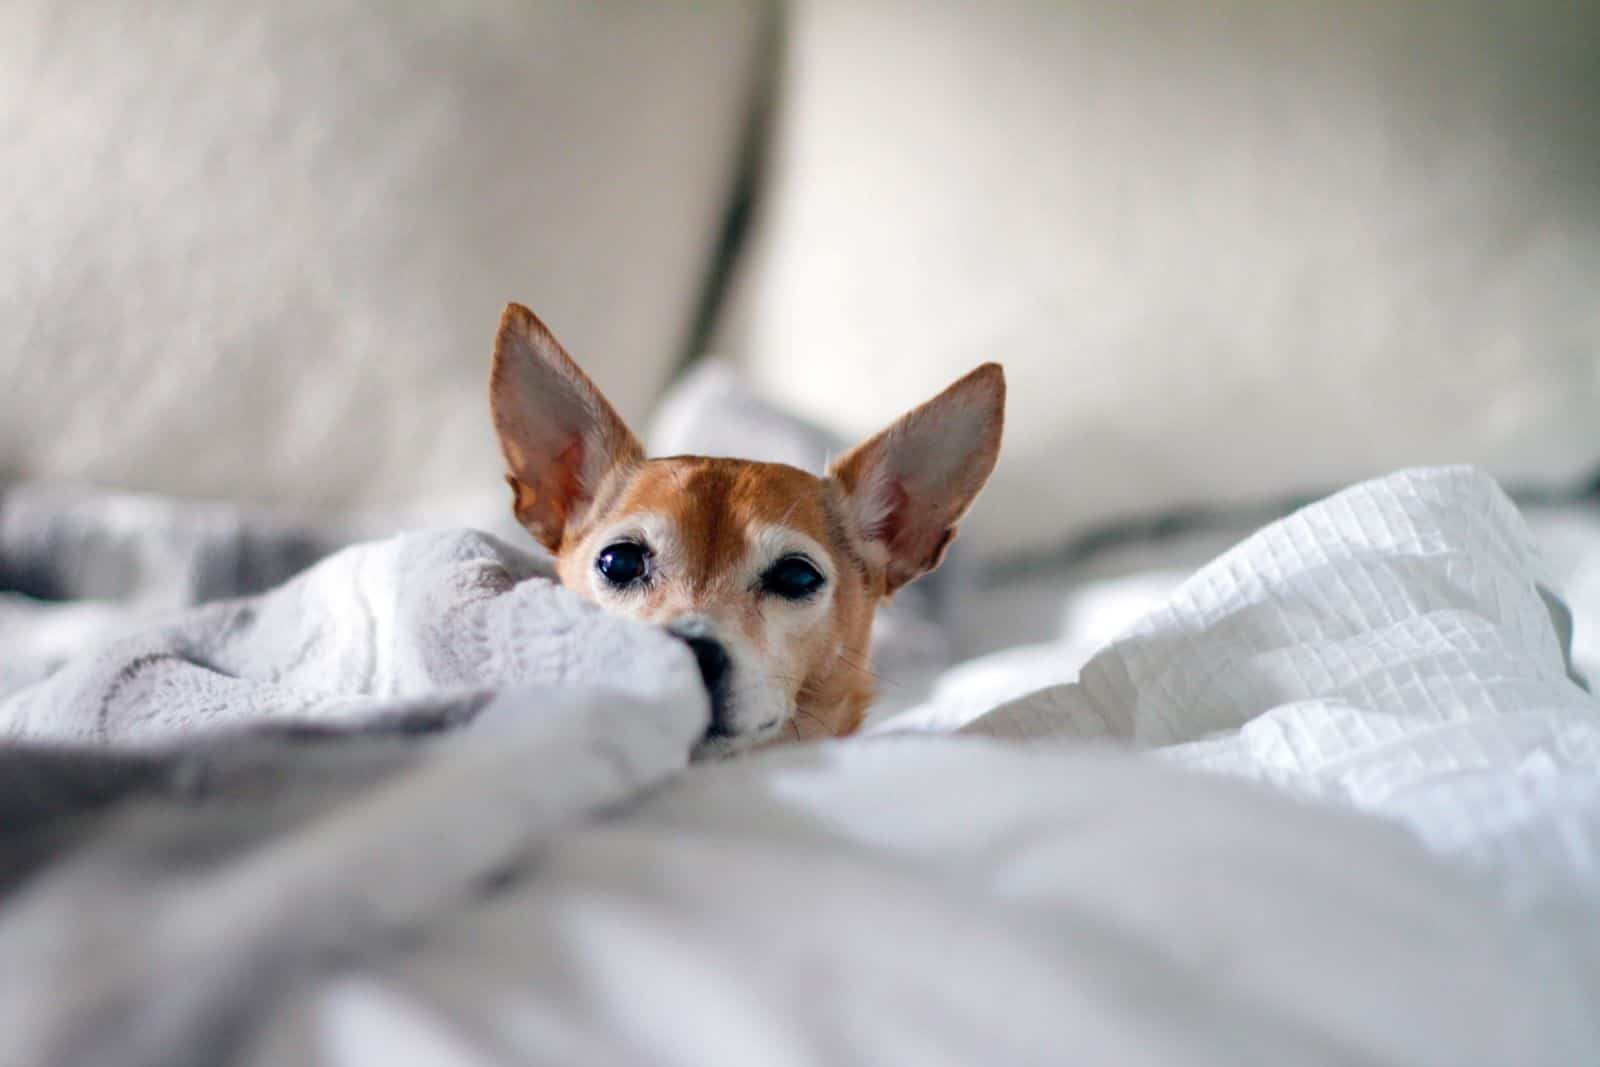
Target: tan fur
(929, 493)
(882, 516)
(548, 458)
(711, 503)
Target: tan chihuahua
(771, 575)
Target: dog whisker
(868, 671)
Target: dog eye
(792, 577)
(623, 563)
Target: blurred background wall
(258, 248)
(1228, 250)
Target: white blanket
(546, 887)
(423, 624)
(1394, 648)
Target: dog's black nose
(713, 661)
(712, 658)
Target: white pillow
(259, 249)
(1225, 251)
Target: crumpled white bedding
(1390, 651)
(1398, 648)
(1410, 873)
(427, 624)
(941, 900)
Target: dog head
(769, 574)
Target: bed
(1248, 721)
(1330, 798)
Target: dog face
(769, 574)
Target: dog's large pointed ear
(559, 435)
(911, 484)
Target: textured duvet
(1334, 801)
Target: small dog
(769, 574)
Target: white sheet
(1427, 892)
(940, 900)
(177, 929)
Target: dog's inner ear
(911, 484)
(560, 437)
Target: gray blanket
(191, 781)
(420, 623)
(233, 756)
